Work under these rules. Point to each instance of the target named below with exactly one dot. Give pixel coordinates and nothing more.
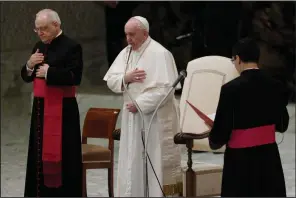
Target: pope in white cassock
(148, 72)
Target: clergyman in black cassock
(54, 163)
(251, 109)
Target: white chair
(205, 76)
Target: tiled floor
(14, 143)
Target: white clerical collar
(59, 33)
(144, 45)
(251, 68)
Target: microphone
(183, 36)
(181, 76)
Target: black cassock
(253, 106)
(64, 57)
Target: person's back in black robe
(251, 100)
(64, 57)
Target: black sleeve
(283, 121)
(24, 73)
(223, 122)
(283, 118)
(69, 75)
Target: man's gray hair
(50, 14)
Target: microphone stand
(154, 113)
(145, 139)
(149, 127)
(143, 134)
(145, 167)
(183, 75)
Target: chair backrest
(205, 76)
(99, 123)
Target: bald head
(137, 31)
(47, 25)
(48, 15)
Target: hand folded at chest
(42, 70)
(136, 75)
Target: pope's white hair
(50, 14)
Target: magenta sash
(52, 129)
(244, 138)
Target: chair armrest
(116, 134)
(183, 138)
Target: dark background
(214, 28)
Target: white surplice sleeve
(115, 73)
(163, 73)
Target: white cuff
(28, 69)
(46, 74)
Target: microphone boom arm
(182, 75)
(154, 113)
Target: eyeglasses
(40, 29)
(233, 59)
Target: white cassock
(161, 71)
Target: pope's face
(135, 36)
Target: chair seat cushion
(95, 153)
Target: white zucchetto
(143, 21)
